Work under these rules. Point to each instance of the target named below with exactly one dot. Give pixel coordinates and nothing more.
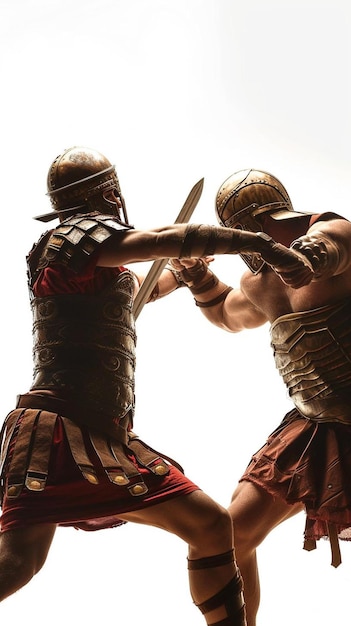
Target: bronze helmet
(248, 193)
(78, 181)
(244, 196)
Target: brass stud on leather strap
(161, 470)
(138, 490)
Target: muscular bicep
(236, 313)
(132, 246)
(129, 246)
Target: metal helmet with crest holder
(82, 180)
(242, 200)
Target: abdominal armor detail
(312, 352)
(84, 348)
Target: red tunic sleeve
(59, 279)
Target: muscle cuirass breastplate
(84, 347)
(312, 352)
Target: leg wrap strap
(228, 621)
(212, 561)
(231, 596)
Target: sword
(152, 276)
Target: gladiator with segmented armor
(84, 346)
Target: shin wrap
(231, 596)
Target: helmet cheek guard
(81, 180)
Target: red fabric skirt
(70, 500)
(303, 461)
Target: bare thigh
(195, 518)
(27, 546)
(255, 513)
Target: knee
(215, 531)
(223, 523)
(247, 528)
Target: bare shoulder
(338, 227)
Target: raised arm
(194, 240)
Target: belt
(97, 420)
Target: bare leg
(207, 528)
(254, 513)
(22, 554)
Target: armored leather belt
(99, 422)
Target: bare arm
(131, 246)
(166, 284)
(222, 305)
(194, 240)
(235, 313)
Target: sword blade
(153, 275)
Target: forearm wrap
(193, 275)
(211, 282)
(177, 275)
(321, 251)
(199, 278)
(201, 241)
(207, 233)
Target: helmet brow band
(82, 180)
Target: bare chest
(268, 294)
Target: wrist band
(222, 296)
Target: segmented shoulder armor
(74, 241)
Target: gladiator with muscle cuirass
(306, 459)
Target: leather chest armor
(312, 352)
(84, 347)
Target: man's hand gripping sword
(156, 269)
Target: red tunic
(308, 462)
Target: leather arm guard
(235, 241)
(294, 268)
(291, 266)
(200, 279)
(322, 253)
(177, 276)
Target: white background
(171, 91)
